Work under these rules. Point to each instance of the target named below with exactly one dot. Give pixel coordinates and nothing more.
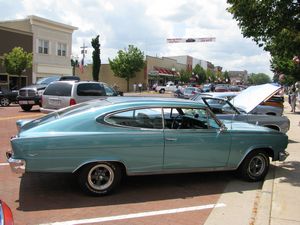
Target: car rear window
(59, 89)
(90, 89)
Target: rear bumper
(16, 165)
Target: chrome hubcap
(100, 177)
(4, 102)
(257, 166)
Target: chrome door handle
(171, 139)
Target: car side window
(90, 89)
(188, 118)
(109, 91)
(140, 118)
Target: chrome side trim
(177, 171)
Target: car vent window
(59, 89)
(90, 89)
(109, 91)
(142, 118)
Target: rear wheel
(99, 178)
(162, 91)
(255, 166)
(4, 101)
(26, 107)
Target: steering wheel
(176, 123)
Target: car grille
(27, 93)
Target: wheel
(4, 101)
(99, 178)
(26, 107)
(255, 166)
(162, 91)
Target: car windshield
(47, 80)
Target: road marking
(20, 117)
(4, 164)
(138, 215)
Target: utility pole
(83, 52)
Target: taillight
(5, 214)
(72, 101)
(193, 92)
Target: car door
(195, 146)
(140, 137)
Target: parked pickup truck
(170, 86)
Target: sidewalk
(280, 200)
(277, 202)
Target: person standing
(134, 87)
(292, 97)
(140, 87)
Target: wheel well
(274, 127)
(120, 164)
(269, 151)
(271, 114)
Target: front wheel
(255, 166)
(4, 102)
(99, 178)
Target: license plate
(54, 102)
(26, 102)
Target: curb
(263, 216)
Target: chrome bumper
(16, 165)
(283, 155)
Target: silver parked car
(253, 100)
(226, 111)
(61, 94)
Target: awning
(165, 72)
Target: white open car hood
(251, 97)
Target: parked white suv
(61, 94)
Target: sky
(147, 24)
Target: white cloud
(147, 24)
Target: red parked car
(6, 217)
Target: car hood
(251, 97)
(243, 126)
(35, 86)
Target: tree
(273, 24)
(226, 77)
(200, 73)
(74, 64)
(17, 61)
(259, 78)
(211, 76)
(127, 63)
(96, 58)
(185, 76)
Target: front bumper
(283, 155)
(16, 165)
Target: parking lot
(165, 199)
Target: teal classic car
(102, 140)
